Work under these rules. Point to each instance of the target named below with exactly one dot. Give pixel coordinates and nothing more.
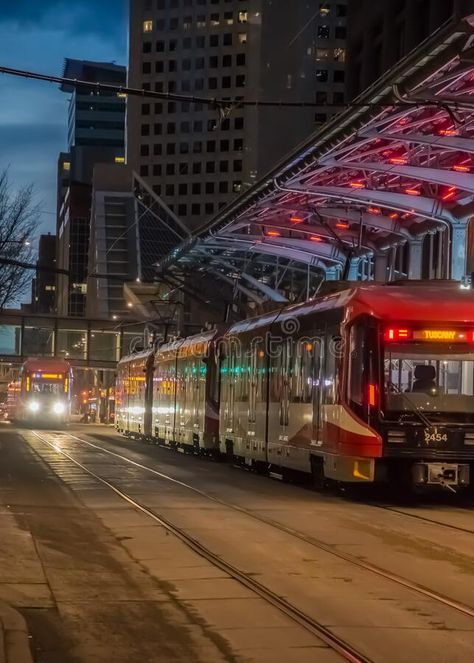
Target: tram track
(306, 538)
(347, 651)
(430, 521)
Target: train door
(257, 403)
(278, 400)
(231, 383)
(318, 362)
(148, 415)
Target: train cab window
(47, 387)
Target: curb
(15, 636)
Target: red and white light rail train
(42, 394)
(367, 383)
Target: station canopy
(395, 165)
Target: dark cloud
(101, 17)
(38, 35)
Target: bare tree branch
(18, 221)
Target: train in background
(369, 383)
(42, 394)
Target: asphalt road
(108, 552)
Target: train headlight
(33, 406)
(59, 408)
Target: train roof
(432, 301)
(46, 364)
(138, 356)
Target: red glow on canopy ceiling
(461, 168)
(342, 226)
(393, 215)
(315, 238)
(401, 161)
(374, 210)
(412, 192)
(273, 233)
(357, 185)
(448, 132)
(296, 219)
(450, 194)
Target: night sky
(37, 35)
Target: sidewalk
(14, 638)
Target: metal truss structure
(384, 190)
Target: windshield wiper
(421, 415)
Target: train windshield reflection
(438, 382)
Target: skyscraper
(96, 126)
(194, 158)
(381, 33)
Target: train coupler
(445, 475)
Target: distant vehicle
(42, 395)
(368, 383)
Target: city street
(116, 550)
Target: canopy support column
(415, 260)
(458, 250)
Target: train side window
(303, 367)
(357, 340)
(333, 344)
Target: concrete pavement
(14, 637)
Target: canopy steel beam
(464, 181)
(458, 143)
(402, 202)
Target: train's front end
(45, 396)
(428, 402)
(411, 380)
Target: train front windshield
(43, 387)
(437, 381)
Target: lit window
(322, 75)
(67, 165)
(50, 288)
(324, 10)
(242, 37)
(229, 18)
(147, 26)
(323, 53)
(121, 95)
(214, 20)
(243, 17)
(201, 21)
(119, 159)
(340, 54)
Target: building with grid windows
(96, 129)
(256, 50)
(381, 33)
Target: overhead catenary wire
(222, 105)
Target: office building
(43, 285)
(96, 128)
(194, 158)
(381, 33)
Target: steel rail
(337, 644)
(321, 545)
